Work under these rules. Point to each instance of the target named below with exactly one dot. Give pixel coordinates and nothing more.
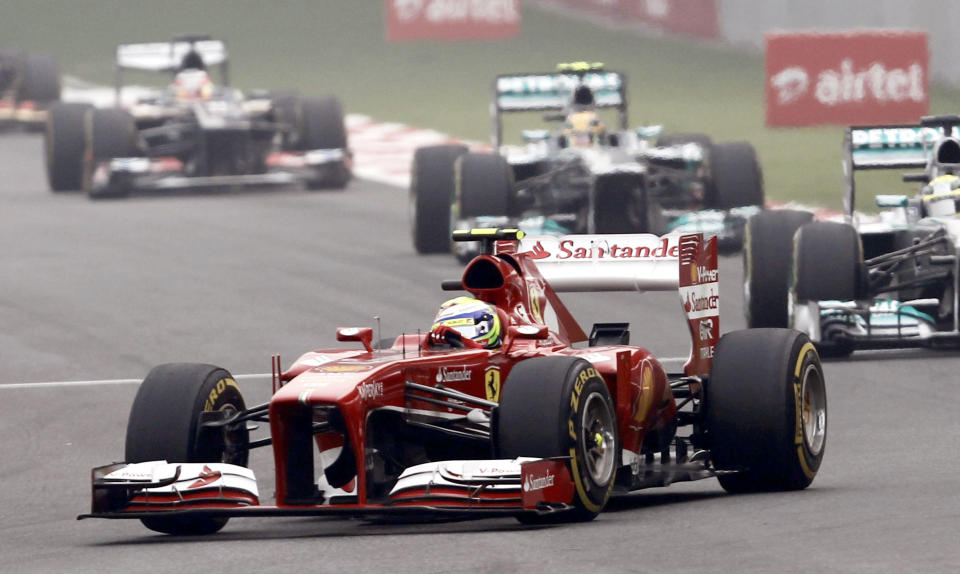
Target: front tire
(484, 185)
(432, 189)
(766, 410)
(321, 126)
(110, 133)
(164, 425)
(560, 407)
(767, 261)
(64, 144)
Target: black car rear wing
(180, 53)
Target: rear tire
(164, 425)
(767, 262)
(484, 185)
(64, 144)
(432, 189)
(736, 179)
(541, 401)
(41, 79)
(766, 410)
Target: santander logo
(849, 85)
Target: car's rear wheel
(560, 407)
(484, 185)
(432, 189)
(164, 424)
(735, 176)
(766, 410)
(767, 262)
(110, 133)
(64, 144)
(41, 79)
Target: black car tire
(767, 265)
(828, 262)
(110, 133)
(64, 145)
(41, 79)
(321, 126)
(736, 179)
(164, 425)
(766, 410)
(432, 189)
(484, 185)
(541, 401)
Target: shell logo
(693, 274)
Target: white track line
(12, 386)
(105, 382)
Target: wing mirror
(362, 334)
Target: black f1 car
(583, 177)
(194, 133)
(29, 85)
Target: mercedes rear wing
(641, 262)
(901, 146)
(551, 91)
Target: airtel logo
(849, 86)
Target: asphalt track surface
(104, 290)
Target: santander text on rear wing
(641, 262)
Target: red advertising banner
(856, 77)
(452, 20)
(696, 18)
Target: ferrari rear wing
(893, 146)
(641, 262)
(551, 91)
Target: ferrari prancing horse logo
(491, 383)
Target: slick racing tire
(41, 79)
(766, 410)
(735, 176)
(828, 262)
(560, 407)
(484, 185)
(622, 205)
(64, 144)
(828, 265)
(432, 189)
(110, 133)
(321, 126)
(164, 425)
(767, 265)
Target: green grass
(335, 46)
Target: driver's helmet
(939, 197)
(192, 84)
(471, 318)
(583, 129)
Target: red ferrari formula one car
(495, 410)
